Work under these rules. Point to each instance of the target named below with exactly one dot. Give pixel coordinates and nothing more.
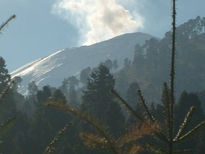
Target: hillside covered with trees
(105, 111)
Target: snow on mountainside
(67, 62)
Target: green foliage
(84, 74)
(51, 148)
(35, 130)
(132, 100)
(131, 96)
(58, 96)
(168, 100)
(188, 102)
(5, 86)
(32, 88)
(98, 101)
(68, 88)
(4, 75)
(6, 126)
(150, 63)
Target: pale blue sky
(38, 31)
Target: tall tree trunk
(172, 77)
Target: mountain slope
(64, 63)
(150, 70)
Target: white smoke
(98, 20)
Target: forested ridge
(102, 112)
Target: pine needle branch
(132, 111)
(137, 132)
(5, 23)
(134, 149)
(5, 126)
(88, 119)
(160, 135)
(184, 124)
(142, 101)
(5, 90)
(154, 148)
(194, 130)
(186, 151)
(94, 141)
(6, 123)
(51, 147)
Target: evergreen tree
(30, 105)
(115, 64)
(64, 87)
(58, 96)
(98, 101)
(7, 103)
(43, 95)
(201, 96)
(4, 75)
(132, 100)
(17, 81)
(32, 88)
(84, 74)
(186, 101)
(72, 94)
(109, 64)
(122, 82)
(131, 96)
(45, 122)
(139, 58)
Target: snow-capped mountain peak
(67, 62)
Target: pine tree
(186, 101)
(5, 86)
(72, 94)
(131, 96)
(58, 96)
(98, 101)
(84, 74)
(68, 88)
(32, 88)
(132, 99)
(45, 121)
(7, 103)
(4, 75)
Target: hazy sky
(44, 26)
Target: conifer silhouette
(4, 127)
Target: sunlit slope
(67, 62)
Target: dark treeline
(33, 127)
(36, 124)
(150, 66)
